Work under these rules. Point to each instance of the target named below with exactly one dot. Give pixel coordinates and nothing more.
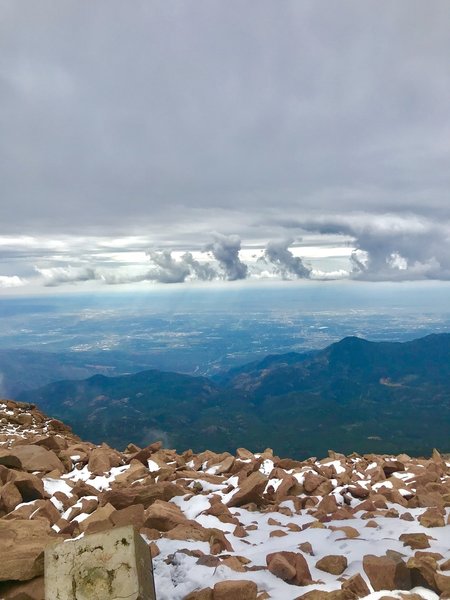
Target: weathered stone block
(110, 565)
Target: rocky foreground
(223, 527)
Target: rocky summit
(226, 527)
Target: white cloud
(11, 281)
(55, 276)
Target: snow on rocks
(222, 526)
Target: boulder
(250, 490)
(278, 533)
(289, 485)
(24, 511)
(407, 516)
(392, 466)
(99, 520)
(132, 515)
(386, 573)
(52, 442)
(416, 541)
(208, 560)
(9, 459)
(233, 563)
(306, 548)
(425, 499)
(10, 497)
(348, 531)
(297, 561)
(358, 491)
(328, 505)
(432, 517)
(22, 544)
(423, 570)
(48, 511)
(99, 461)
(323, 595)
(29, 485)
(333, 563)
(281, 567)
(356, 586)
(442, 584)
(244, 454)
(312, 481)
(235, 590)
(33, 458)
(135, 471)
(188, 530)
(82, 488)
(25, 590)
(224, 466)
(85, 505)
(221, 511)
(218, 542)
(239, 532)
(142, 494)
(163, 516)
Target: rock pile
(223, 527)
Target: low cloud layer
(125, 128)
(383, 247)
(220, 260)
(391, 247)
(56, 276)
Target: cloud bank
(125, 128)
(386, 247)
(391, 247)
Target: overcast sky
(170, 141)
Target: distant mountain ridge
(355, 395)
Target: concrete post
(111, 565)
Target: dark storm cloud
(285, 263)
(225, 250)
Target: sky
(152, 142)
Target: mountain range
(355, 395)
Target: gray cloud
(286, 264)
(167, 270)
(171, 120)
(201, 271)
(392, 247)
(225, 250)
(184, 117)
(55, 276)
(164, 269)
